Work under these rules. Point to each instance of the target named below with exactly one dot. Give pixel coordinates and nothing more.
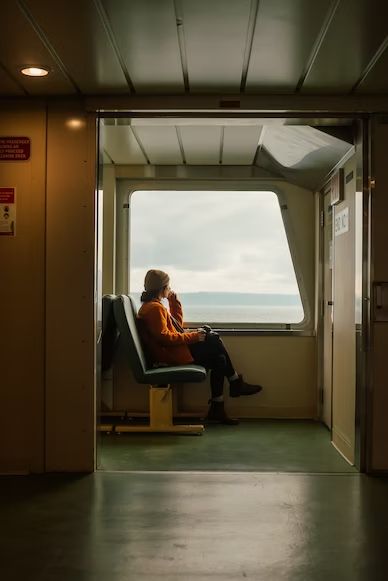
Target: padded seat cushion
(178, 373)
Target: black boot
(240, 387)
(217, 414)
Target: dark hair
(147, 296)
(151, 295)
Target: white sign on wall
(341, 222)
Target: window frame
(130, 186)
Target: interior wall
(47, 339)
(22, 289)
(284, 366)
(70, 289)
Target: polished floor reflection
(195, 527)
(258, 446)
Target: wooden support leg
(161, 416)
(160, 407)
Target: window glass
(226, 252)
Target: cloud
(211, 241)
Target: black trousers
(213, 355)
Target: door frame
(361, 122)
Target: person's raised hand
(201, 335)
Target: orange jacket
(162, 342)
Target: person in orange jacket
(167, 342)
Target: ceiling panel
(215, 37)
(8, 86)
(92, 64)
(121, 146)
(110, 46)
(20, 45)
(201, 144)
(240, 144)
(160, 144)
(284, 36)
(356, 32)
(147, 37)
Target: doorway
(296, 345)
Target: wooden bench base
(106, 428)
(161, 416)
(173, 429)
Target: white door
(344, 323)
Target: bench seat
(159, 379)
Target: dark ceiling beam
(181, 146)
(112, 39)
(182, 43)
(221, 147)
(318, 43)
(140, 144)
(249, 42)
(376, 57)
(251, 106)
(240, 104)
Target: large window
(226, 252)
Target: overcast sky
(211, 241)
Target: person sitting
(168, 342)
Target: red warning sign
(15, 148)
(7, 195)
(7, 211)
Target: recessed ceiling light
(35, 71)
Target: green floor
(260, 445)
(181, 526)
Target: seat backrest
(125, 315)
(109, 332)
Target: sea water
(243, 313)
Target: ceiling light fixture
(35, 71)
